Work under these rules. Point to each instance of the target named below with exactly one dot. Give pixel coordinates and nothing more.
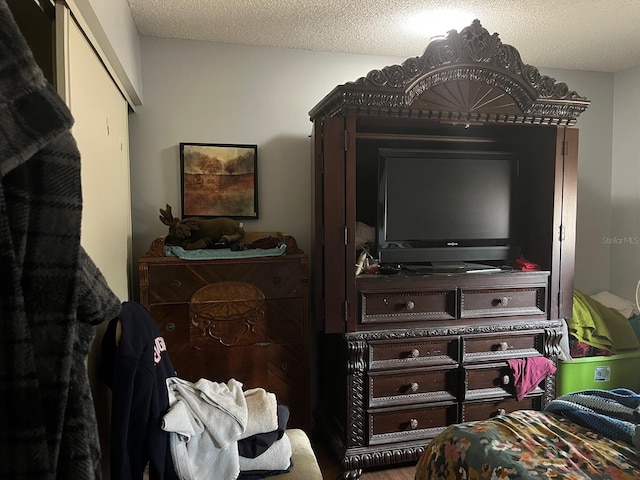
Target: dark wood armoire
(402, 356)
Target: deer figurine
(194, 233)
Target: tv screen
(445, 205)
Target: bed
(529, 444)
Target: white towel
(205, 421)
(262, 412)
(276, 458)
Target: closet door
(101, 131)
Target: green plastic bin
(621, 370)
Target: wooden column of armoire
(401, 356)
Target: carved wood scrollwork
(356, 371)
(467, 76)
(229, 313)
(552, 338)
(356, 463)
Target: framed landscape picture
(219, 180)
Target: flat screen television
(439, 206)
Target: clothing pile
(596, 329)
(217, 430)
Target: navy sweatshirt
(136, 370)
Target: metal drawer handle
(413, 423)
(503, 302)
(504, 346)
(414, 387)
(506, 380)
(170, 327)
(176, 283)
(415, 353)
(409, 305)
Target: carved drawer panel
(503, 302)
(472, 411)
(281, 324)
(403, 306)
(412, 386)
(502, 346)
(176, 283)
(410, 423)
(412, 353)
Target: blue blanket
(613, 413)
(211, 254)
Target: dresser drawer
(413, 386)
(502, 345)
(530, 301)
(388, 307)
(177, 282)
(412, 353)
(489, 380)
(489, 409)
(410, 423)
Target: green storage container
(603, 373)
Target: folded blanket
(257, 444)
(600, 326)
(613, 413)
(277, 457)
(262, 412)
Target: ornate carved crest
(467, 76)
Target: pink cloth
(529, 372)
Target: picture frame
(219, 180)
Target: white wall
(594, 177)
(220, 93)
(625, 185)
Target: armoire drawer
(472, 411)
(488, 380)
(177, 283)
(414, 385)
(502, 345)
(477, 303)
(385, 307)
(413, 352)
(410, 423)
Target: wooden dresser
(429, 351)
(402, 356)
(274, 355)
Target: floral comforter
(525, 445)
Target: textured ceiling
(598, 35)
